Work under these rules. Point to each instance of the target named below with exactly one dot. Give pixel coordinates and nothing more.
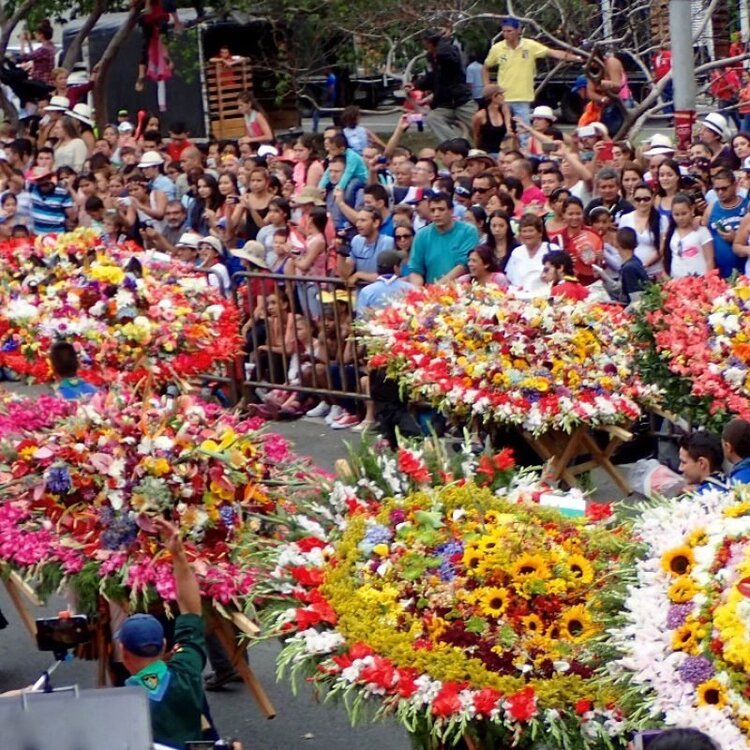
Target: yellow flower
(738, 509)
(227, 439)
(530, 565)
(576, 624)
(492, 601)
(107, 274)
(685, 638)
(711, 693)
(158, 467)
(380, 549)
(678, 561)
(580, 568)
(682, 590)
(533, 624)
(698, 538)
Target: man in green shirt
(174, 687)
(441, 249)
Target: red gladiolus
(485, 701)
(583, 706)
(381, 673)
(406, 685)
(310, 577)
(598, 511)
(413, 466)
(446, 702)
(522, 705)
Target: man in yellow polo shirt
(515, 59)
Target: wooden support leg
(602, 458)
(14, 592)
(223, 630)
(546, 450)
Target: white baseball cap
(151, 159)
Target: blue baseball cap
(142, 635)
(514, 23)
(580, 83)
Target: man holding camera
(357, 263)
(174, 683)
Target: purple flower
(58, 480)
(397, 516)
(677, 615)
(696, 669)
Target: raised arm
(186, 584)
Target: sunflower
(492, 601)
(533, 624)
(471, 559)
(576, 624)
(580, 569)
(678, 561)
(711, 693)
(530, 566)
(682, 590)
(738, 509)
(685, 638)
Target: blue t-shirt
(435, 253)
(72, 389)
(364, 256)
(726, 261)
(48, 212)
(740, 472)
(379, 292)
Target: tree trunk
(106, 60)
(74, 51)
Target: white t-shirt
(646, 246)
(687, 253)
(524, 271)
(218, 277)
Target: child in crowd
(64, 362)
(633, 276)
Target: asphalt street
(301, 721)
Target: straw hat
(309, 195)
(82, 112)
(543, 112)
(253, 252)
(58, 104)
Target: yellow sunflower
(576, 624)
(711, 693)
(529, 566)
(738, 509)
(472, 558)
(580, 569)
(533, 624)
(493, 601)
(678, 561)
(685, 638)
(682, 590)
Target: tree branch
(12, 22)
(74, 51)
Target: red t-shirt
(175, 149)
(570, 288)
(585, 248)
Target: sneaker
(336, 413)
(321, 410)
(365, 424)
(345, 422)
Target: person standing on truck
(515, 59)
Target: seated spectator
(64, 362)
(735, 440)
(701, 461)
(357, 262)
(558, 271)
(526, 263)
(212, 254)
(583, 244)
(484, 268)
(388, 285)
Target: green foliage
(183, 51)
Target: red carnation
(446, 702)
(583, 706)
(485, 701)
(522, 705)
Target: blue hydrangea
(376, 534)
(58, 480)
(120, 534)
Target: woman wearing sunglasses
(403, 237)
(650, 226)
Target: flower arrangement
(698, 331)
(24, 416)
(444, 593)
(537, 364)
(125, 317)
(684, 637)
(79, 498)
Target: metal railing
(299, 335)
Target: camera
(59, 634)
(342, 243)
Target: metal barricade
(299, 335)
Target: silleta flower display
(537, 364)
(128, 313)
(80, 496)
(698, 330)
(684, 640)
(452, 599)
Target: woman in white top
(649, 227)
(70, 150)
(687, 251)
(211, 254)
(525, 266)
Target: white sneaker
(321, 410)
(345, 422)
(335, 413)
(365, 424)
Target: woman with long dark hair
(207, 197)
(668, 178)
(308, 169)
(687, 251)
(500, 237)
(649, 226)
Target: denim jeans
(522, 110)
(446, 123)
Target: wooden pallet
(224, 86)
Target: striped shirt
(48, 212)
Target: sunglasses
(722, 188)
(481, 190)
(642, 199)
(401, 236)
